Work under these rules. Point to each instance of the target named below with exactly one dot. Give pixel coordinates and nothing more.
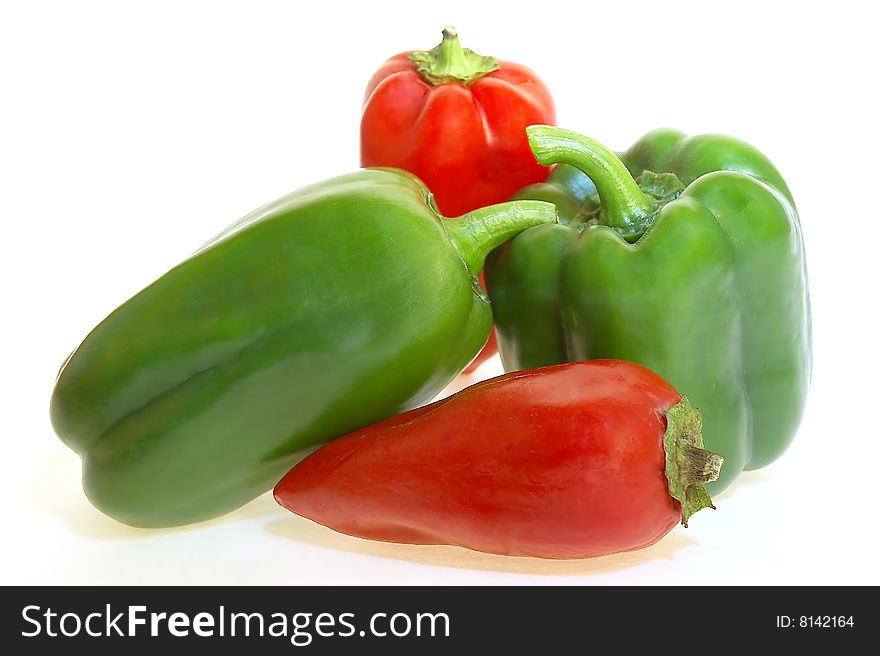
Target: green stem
(449, 62)
(478, 233)
(624, 206)
(688, 465)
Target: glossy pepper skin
(571, 461)
(336, 306)
(697, 272)
(456, 120)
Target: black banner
(432, 620)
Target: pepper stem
(688, 465)
(449, 62)
(478, 233)
(625, 207)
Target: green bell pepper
(332, 308)
(696, 270)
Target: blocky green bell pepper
(337, 306)
(684, 255)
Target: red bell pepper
(571, 461)
(457, 120)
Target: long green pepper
(337, 306)
(684, 255)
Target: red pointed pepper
(570, 461)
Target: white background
(131, 132)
